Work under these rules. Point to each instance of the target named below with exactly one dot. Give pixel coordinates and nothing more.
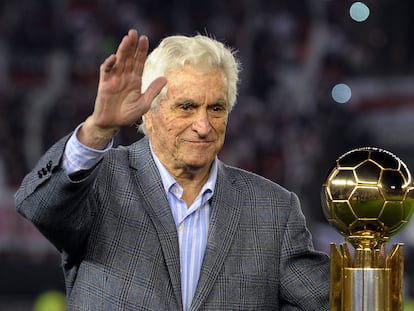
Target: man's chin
(198, 164)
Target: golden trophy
(368, 197)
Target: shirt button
(181, 228)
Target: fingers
(141, 54)
(130, 55)
(107, 66)
(154, 89)
(126, 49)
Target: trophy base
(373, 283)
(366, 289)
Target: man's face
(187, 130)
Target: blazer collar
(156, 204)
(226, 208)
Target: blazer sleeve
(58, 206)
(304, 283)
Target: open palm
(119, 101)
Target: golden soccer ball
(369, 192)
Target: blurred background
(320, 77)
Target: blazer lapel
(157, 207)
(226, 206)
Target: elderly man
(163, 224)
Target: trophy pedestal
(370, 282)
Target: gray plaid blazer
(119, 244)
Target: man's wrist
(94, 137)
(79, 157)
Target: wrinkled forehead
(197, 80)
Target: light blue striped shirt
(192, 226)
(192, 222)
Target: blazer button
(49, 166)
(42, 172)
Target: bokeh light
(359, 11)
(341, 93)
(50, 301)
(409, 305)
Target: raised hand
(119, 101)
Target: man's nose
(201, 124)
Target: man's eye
(186, 106)
(218, 108)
